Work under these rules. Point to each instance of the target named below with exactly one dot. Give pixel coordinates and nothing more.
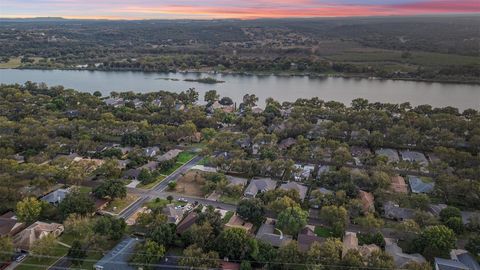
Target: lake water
(281, 88)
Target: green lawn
(323, 231)
(227, 216)
(83, 189)
(116, 206)
(152, 184)
(184, 157)
(32, 262)
(230, 199)
(171, 170)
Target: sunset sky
(243, 9)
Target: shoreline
(279, 74)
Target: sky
(241, 9)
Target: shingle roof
(401, 259)
(398, 184)
(393, 211)
(302, 190)
(262, 185)
(417, 185)
(445, 264)
(391, 154)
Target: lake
(281, 88)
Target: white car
(182, 200)
(21, 258)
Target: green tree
(236, 244)
(194, 257)
(76, 203)
(436, 241)
(211, 96)
(288, 256)
(112, 188)
(29, 209)
(380, 260)
(44, 247)
(449, 212)
(335, 216)
(6, 246)
(456, 224)
(352, 259)
(148, 253)
(473, 245)
(251, 210)
(77, 253)
(369, 222)
(163, 234)
(109, 226)
(328, 252)
(292, 220)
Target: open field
(191, 184)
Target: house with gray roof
(466, 258)
(468, 216)
(446, 264)
(236, 181)
(266, 233)
(171, 154)
(391, 210)
(400, 258)
(174, 213)
(259, 185)
(414, 156)
(419, 185)
(301, 189)
(390, 154)
(56, 196)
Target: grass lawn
(160, 203)
(204, 161)
(12, 63)
(323, 231)
(32, 262)
(83, 189)
(230, 199)
(152, 184)
(117, 205)
(171, 170)
(184, 157)
(227, 216)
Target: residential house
(432, 158)
(419, 185)
(395, 212)
(236, 181)
(19, 158)
(350, 242)
(186, 223)
(390, 154)
(115, 102)
(131, 174)
(259, 185)
(367, 200)
(56, 196)
(100, 204)
(398, 184)
(303, 172)
(266, 233)
(446, 264)
(400, 258)
(414, 156)
(237, 222)
(316, 194)
(171, 154)
(359, 153)
(225, 265)
(174, 213)
(301, 189)
(465, 258)
(323, 169)
(244, 142)
(25, 239)
(468, 217)
(122, 164)
(307, 237)
(10, 226)
(286, 143)
(435, 209)
(151, 151)
(150, 166)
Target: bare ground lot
(191, 184)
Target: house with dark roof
(151, 151)
(131, 174)
(419, 185)
(301, 189)
(10, 226)
(307, 237)
(468, 216)
(259, 185)
(391, 210)
(171, 154)
(446, 264)
(186, 223)
(236, 181)
(174, 213)
(400, 258)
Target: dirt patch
(191, 184)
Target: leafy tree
(380, 260)
(335, 216)
(435, 241)
(76, 203)
(352, 259)
(148, 253)
(456, 224)
(226, 101)
(112, 189)
(473, 245)
(245, 265)
(328, 252)
(145, 176)
(288, 255)
(6, 246)
(282, 203)
(211, 96)
(250, 100)
(449, 212)
(29, 209)
(369, 221)
(194, 257)
(43, 247)
(213, 218)
(251, 210)
(172, 185)
(200, 235)
(236, 244)
(163, 234)
(77, 253)
(78, 226)
(292, 220)
(110, 226)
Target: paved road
(117, 258)
(156, 191)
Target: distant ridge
(34, 19)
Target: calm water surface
(280, 88)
